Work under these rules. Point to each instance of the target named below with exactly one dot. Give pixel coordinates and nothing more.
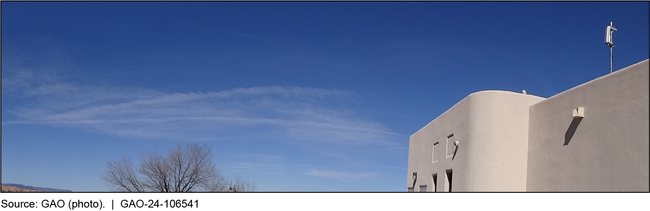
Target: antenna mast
(609, 31)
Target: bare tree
(238, 184)
(188, 169)
(241, 184)
(221, 184)
(120, 174)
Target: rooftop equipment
(610, 42)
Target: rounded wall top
(492, 92)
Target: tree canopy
(184, 169)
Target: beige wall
(607, 150)
(516, 142)
(492, 129)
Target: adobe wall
(492, 129)
(607, 150)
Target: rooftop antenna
(610, 42)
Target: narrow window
(423, 188)
(450, 145)
(433, 152)
(448, 180)
(435, 182)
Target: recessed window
(448, 180)
(450, 145)
(435, 182)
(423, 188)
(410, 189)
(433, 152)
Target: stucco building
(592, 137)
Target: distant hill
(7, 187)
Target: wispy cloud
(341, 175)
(293, 114)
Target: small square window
(423, 188)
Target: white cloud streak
(294, 114)
(341, 175)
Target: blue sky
(296, 96)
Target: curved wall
(492, 129)
(516, 142)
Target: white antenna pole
(611, 49)
(611, 58)
(610, 42)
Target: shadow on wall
(455, 150)
(572, 129)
